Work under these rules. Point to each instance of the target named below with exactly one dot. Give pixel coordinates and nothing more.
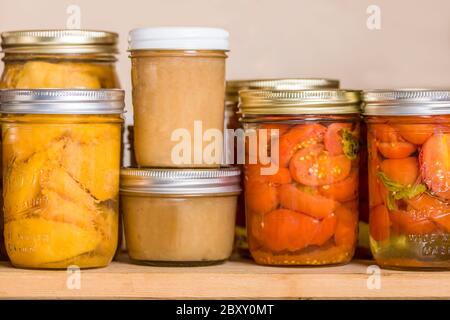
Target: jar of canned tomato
(409, 177)
(301, 175)
(232, 122)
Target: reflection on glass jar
(179, 217)
(305, 210)
(60, 191)
(232, 122)
(409, 177)
(178, 77)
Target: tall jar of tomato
(301, 175)
(409, 177)
(232, 122)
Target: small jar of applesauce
(178, 79)
(61, 160)
(179, 217)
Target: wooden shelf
(238, 279)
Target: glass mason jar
(179, 217)
(232, 122)
(66, 59)
(301, 175)
(61, 161)
(178, 79)
(409, 177)
(58, 59)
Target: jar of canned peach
(61, 160)
(232, 122)
(409, 177)
(65, 59)
(301, 175)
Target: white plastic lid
(178, 38)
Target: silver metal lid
(180, 181)
(60, 41)
(62, 101)
(294, 102)
(234, 86)
(401, 102)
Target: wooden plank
(234, 279)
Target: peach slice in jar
(435, 164)
(306, 200)
(314, 166)
(299, 137)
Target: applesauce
(178, 80)
(179, 217)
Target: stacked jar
(301, 175)
(232, 122)
(65, 59)
(409, 177)
(179, 190)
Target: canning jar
(178, 79)
(61, 160)
(179, 217)
(301, 175)
(409, 177)
(67, 59)
(232, 122)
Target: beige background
(283, 38)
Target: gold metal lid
(294, 102)
(234, 86)
(60, 41)
(402, 102)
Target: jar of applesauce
(409, 177)
(178, 79)
(232, 122)
(61, 161)
(179, 217)
(301, 175)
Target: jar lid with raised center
(61, 101)
(176, 182)
(404, 102)
(298, 102)
(178, 38)
(234, 86)
(59, 41)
